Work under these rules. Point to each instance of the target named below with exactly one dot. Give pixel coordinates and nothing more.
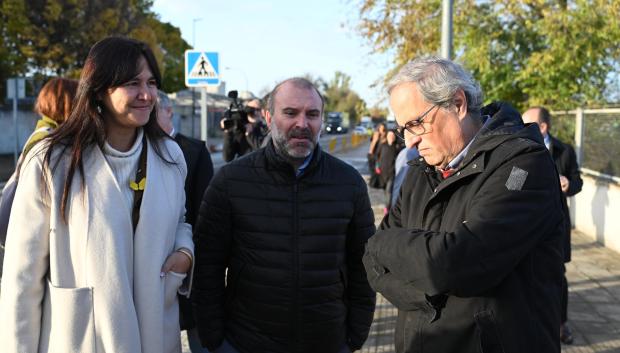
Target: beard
(298, 150)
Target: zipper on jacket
(296, 301)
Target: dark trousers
(564, 299)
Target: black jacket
(199, 174)
(387, 160)
(474, 262)
(566, 164)
(293, 249)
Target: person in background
(264, 108)
(241, 139)
(199, 174)
(401, 166)
(97, 244)
(471, 254)
(378, 138)
(387, 158)
(53, 105)
(279, 242)
(570, 181)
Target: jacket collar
(275, 161)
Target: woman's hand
(177, 262)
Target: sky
(262, 42)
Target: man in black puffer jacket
(471, 254)
(289, 223)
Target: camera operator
(242, 136)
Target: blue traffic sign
(201, 68)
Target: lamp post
(242, 72)
(446, 29)
(193, 92)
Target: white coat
(88, 285)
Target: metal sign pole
(203, 114)
(15, 95)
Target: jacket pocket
(232, 281)
(172, 283)
(69, 319)
(488, 332)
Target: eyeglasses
(415, 126)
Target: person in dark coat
(471, 254)
(387, 162)
(288, 223)
(570, 180)
(378, 138)
(199, 174)
(241, 139)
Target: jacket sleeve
(398, 292)
(573, 175)
(213, 242)
(202, 178)
(26, 262)
(361, 298)
(183, 235)
(500, 228)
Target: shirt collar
(304, 165)
(459, 157)
(547, 141)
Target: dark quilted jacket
(293, 249)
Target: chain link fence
(595, 135)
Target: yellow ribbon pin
(137, 186)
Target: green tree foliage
(378, 113)
(529, 52)
(53, 37)
(341, 98)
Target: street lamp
(198, 19)
(242, 72)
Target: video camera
(236, 116)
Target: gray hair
(298, 82)
(163, 100)
(438, 80)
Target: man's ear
(460, 102)
(268, 117)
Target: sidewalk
(593, 307)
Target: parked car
(361, 130)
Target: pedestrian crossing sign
(201, 68)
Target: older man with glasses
(471, 254)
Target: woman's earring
(98, 109)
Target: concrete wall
(26, 121)
(596, 211)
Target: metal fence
(595, 135)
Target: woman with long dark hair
(97, 245)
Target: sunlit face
(129, 105)
(296, 120)
(443, 138)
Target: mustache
(301, 133)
